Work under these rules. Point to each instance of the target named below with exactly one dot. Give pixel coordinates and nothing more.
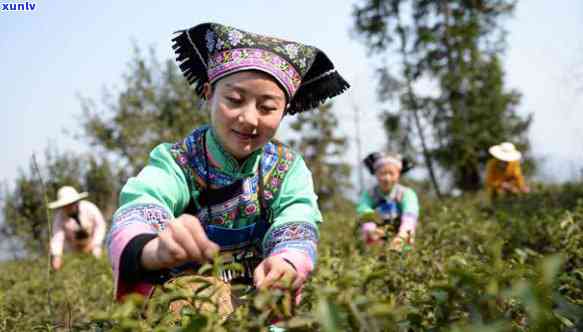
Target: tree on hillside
(102, 183)
(24, 211)
(322, 149)
(154, 105)
(454, 45)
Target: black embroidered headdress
(376, 159)
(209, 51)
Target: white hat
(65, 196)
(505, 151)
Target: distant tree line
(453, 46)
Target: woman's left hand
(57, 262)
(397, 243)
(275, 272)
(400, 240)
(96, 251)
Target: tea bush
(516, 265)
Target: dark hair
(370, 160)
(82, 233)
(408, 164)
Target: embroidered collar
(392, 195)
(225, 162)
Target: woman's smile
(247, 108)
(244, 135)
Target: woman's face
(502, 165)
(246, 110)
(387, 176)
(71, 208)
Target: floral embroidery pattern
(301, 236)
(229, 61)
(292, 50)
(250, 209)
(273, 183)
(221, 213)
(210, 40)
(188, 154)
(151, 214)
(294, 53)
(235, 37)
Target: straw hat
(65, 196)
(505, 151)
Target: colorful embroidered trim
(231, 61)
(276, 161)
(301, 236)
(150, 214)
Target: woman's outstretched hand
(57, 262)
(397, 243)
(400, 241)
(183, 240)
(275, 272)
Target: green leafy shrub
(515, 266)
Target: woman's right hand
(57, 262)
(183, 240)
(509, 187)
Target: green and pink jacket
(197, 176)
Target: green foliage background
(515, 267)
(455, 47)
(24, 212)
(323, 148)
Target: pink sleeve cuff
(118, 242)
(408, 224)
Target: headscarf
(377, 160)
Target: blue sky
(62, 49)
